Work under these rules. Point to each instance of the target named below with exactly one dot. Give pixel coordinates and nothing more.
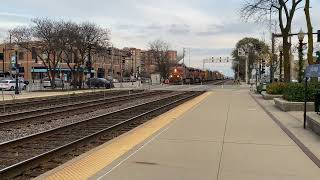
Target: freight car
(180, 74)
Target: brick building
(138, 63)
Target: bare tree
(57, 41)
(92, 40)
(159, 52)
(44, 37)
(78, 42)
(285, 11)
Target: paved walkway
(226, 137)
(293, 121)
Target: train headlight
(175, 70)
(178, 76)
(171, 76)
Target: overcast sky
(207, 27)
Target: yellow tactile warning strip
(98, 159)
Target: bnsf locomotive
(181, 74)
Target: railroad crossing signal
(216, 60)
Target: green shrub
(295, 92)
(276, 88)
(259, 88)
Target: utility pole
(184, 66)
(189, 59)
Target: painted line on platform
(300, 144)
(91, 163)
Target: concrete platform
(227, 136)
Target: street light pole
(280, 59)
(301, 64)
(17, 73)
(272, 57)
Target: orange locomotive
(181, 74)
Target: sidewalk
(293, 121)
(228, 136)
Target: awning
(38, 70)
(43, 70)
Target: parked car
(58, 83)
(11, 85)
(99, 82)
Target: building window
(21, 56)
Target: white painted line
(136, 151)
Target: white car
(11, 85)
(58, 83)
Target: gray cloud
(179, 29)
(211, 51)
(228, 28)
(8, 17)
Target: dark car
(99, 82)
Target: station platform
(221, 135)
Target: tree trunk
(286, 58)
(310, 35)
(53, 78)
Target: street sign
(313, 71)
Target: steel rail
(16, 166)
(23, 116)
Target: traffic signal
(318, 35)
(263, 67)
(318, 56)
(123, 61)
(258, 48)
(88, 64)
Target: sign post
(311, 71)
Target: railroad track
(22, 156)
(11, 107)
(44, 114)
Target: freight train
(180, 74)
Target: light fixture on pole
(301, 64)
(301, 35)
